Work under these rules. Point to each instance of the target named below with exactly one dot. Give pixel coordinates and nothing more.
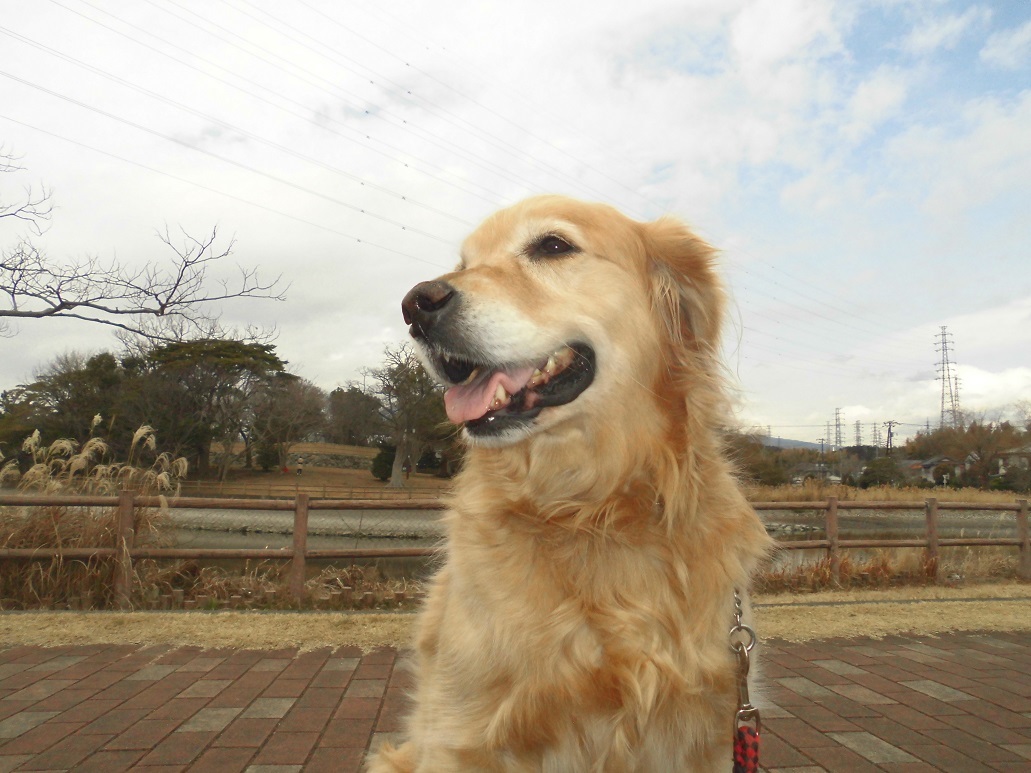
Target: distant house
(928, 466)
(1015, 459)
(914, 470)
(911, 469)
(813, 471)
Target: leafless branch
(35, 286)
(179, 288)
(34, 209)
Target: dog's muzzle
(488, 396)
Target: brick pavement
(958, 702)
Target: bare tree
(34, 209)
(1023, 409)
(287, 409)
(412, 406)
(36, 286)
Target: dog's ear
(686, 291)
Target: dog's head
(562, 310)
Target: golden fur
(580, 619)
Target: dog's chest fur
(625, 657)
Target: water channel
(420, 528)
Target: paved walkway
(957, 703)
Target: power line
(472, 67)
(379, 114)
(363, 139)
(263, 207)
(799, 280)
(232, 127)
(445, 112)
(441, 112)
(807, 348)
(836, 309)
(225, 159)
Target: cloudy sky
(864, 165)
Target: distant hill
(782, 442)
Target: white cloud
(876, 99)
(1009, 49)
(943, 32)
(769, 32)
(983, 391)
(987, 155)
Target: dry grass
(994, 607)
(64, 467)
(265, 585)
(237, 630)
(892, 567)
(816, 491)
(879, 619)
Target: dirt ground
(317, 482)
(990, 607)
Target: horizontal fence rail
(124, 552)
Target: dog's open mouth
(489, 398)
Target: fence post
(297, 565)
(831, 526)
(1024, 534)
(931, 559)
(124, 536)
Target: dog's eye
(551, 246)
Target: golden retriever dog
(596, 534)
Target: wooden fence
(288, 486)
(124, 552)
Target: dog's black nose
(423, 303)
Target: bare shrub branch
(35, 286)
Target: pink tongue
(471, 401)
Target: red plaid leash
(746, 737)
(746, 750)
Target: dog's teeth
(501, 398)
(537, 378)
(472, 377)
(564, 358)
(550, 366)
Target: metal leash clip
(746, 737)
(742, 640)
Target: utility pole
(950, 413)
(890, 424)
(859, 434)
(839, 439)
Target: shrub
(383, 464)
(429, 461)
